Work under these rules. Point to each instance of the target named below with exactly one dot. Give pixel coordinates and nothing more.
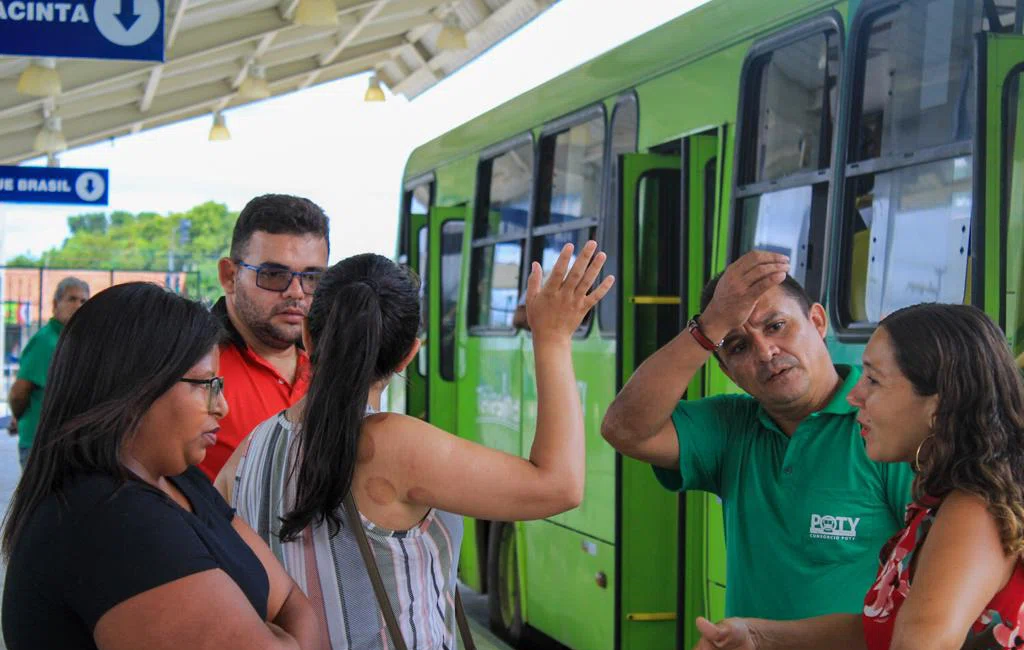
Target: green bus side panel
(456, 183)
(649, 558)
(488, 396)
(595, 381)
(564, 599)
(692, 98)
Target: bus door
(997, 254)
(650, 273)
(701, 536)
(442, 295)
(417, 245)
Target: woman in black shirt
(114, 540)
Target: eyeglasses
(214, 388)
(275, 279)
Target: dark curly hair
(959, 354)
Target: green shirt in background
(35, 362)
(806, 516)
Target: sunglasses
(278, 279)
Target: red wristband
(698, 335)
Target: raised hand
(729, 634)
(557, 307)
(740, 287)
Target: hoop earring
(917, 454)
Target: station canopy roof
(213, 46)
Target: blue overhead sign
(91, 29)
(53, 185)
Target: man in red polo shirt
(279, 250)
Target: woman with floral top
(941, 391)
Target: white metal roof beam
(172, 33)
(151, 86)
(261, 49)
(364, 20)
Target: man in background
(26, 395)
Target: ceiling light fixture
(40, 79)
(255, 86)
(219, 131)
(50, 138)
(451, 36)
(316, 13)
(374, 93)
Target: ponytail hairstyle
(363, 322)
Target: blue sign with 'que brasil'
(95, 29)
(53, 185)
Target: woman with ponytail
(410, 481)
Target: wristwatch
(700, 337)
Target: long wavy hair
(363, 321)
(124, 348)
(959, 354)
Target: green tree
(191, 241)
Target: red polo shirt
(254, 391)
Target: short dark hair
(122, 350)
(789, 285)
(278, 214)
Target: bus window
(499, 234)
(424, 273)
(572, 166)
(497, 287)
(510, 176)
(909, 175)
(790, 95)
(451, 263)
(415, 201)
(625, 121)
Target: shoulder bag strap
(463, 623)
(374, 572)
(381, 592)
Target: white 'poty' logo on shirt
(829, 527)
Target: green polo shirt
(805, 516)
(34, 364)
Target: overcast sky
(326, 143)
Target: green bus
(875, 142)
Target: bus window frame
(611, 215)
(746, 116)
(848, 124)
(408, 187)
(443, 361)
(548, 132)
(482, 197)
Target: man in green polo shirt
(26, 395)
(806, 511)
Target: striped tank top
(419, 566)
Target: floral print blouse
(998, 628)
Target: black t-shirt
(73, 562)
